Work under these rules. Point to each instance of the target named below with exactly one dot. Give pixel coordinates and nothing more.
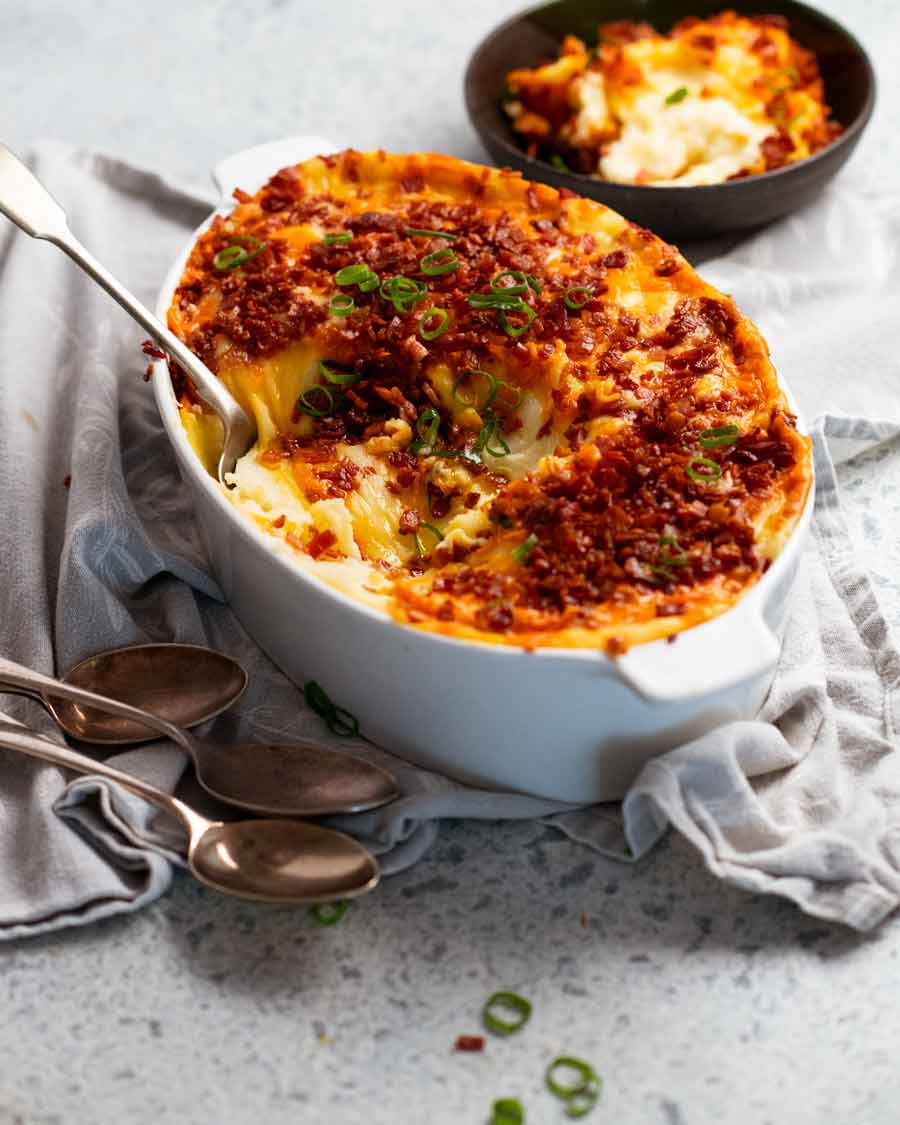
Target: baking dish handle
(251, 168)
(715, 656)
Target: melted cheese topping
(594, 451)
(714, 99)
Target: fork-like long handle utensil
(25, 200)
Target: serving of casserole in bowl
(527, 495)
(687, 118)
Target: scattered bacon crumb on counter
(714, 99)
(493, 410)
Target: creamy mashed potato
(715, 99)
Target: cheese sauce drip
(490, 409)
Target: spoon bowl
(284, 779)
(279, 861)
(186, 684)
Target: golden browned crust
(606, 457)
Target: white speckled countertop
(696, 1002)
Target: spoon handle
(18, 678)
(16, 737)
(25, 201)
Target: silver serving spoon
(25, 200)
(186, 684)
(290, 779)
(285, 861)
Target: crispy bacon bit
(409, 522)
(667, 267)
(617, 260)
(321, 542)
(149, 348)
(469, 1043)
(241, 196)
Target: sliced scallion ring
(403, 292)
(677, 96)
(337, 239)
(571, 296)
(703, 469)
(496, 300)
(524, 549)
(504, 1003)
(359, 275)
(435, 531)
(433, 322)
(440, 262)
(581, 1104)
(511, 327)
(718, 436)
(341, 304)
(423, 233)
(338, 378)
(583, 1079)
(533, 284)
(337, 720)
(233, 256)
(427, 425)
(307, 404)
(329, 913)
(507, 1111)
(519, 282)
(493, 385)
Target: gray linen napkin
(98, 548)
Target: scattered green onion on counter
(575, 1083)
(329, 913)
(507, 1111)
(337, 720)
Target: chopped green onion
(519, 285)
(414, 231)
(403, 292)
(488, 431)
(233, 256)
(329, 913)
(339, 378)
(493, 385)
(709, 472)
(677, 96)
(718, 436)
(440, 262)
(341, 304)
(496, 300)
(506, 1002)
(449, 453)
(428, 317)
(508, 1111)
(521, 553)
(337, 720)
(533, 283)
(571, 300)
(357, 274)
(557, 161)
(336, 239)
(510, 327)
(308, 406)
(580, 1095)
(427, 426)
(666, 560)
(435, 531)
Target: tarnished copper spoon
(301, 778)
(284, 861)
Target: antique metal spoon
(290, 779)
(186, 684)
(285, 861)
(25, 200)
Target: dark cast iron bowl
(675, 212)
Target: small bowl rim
(848, 136)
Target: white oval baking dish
(573, 725)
